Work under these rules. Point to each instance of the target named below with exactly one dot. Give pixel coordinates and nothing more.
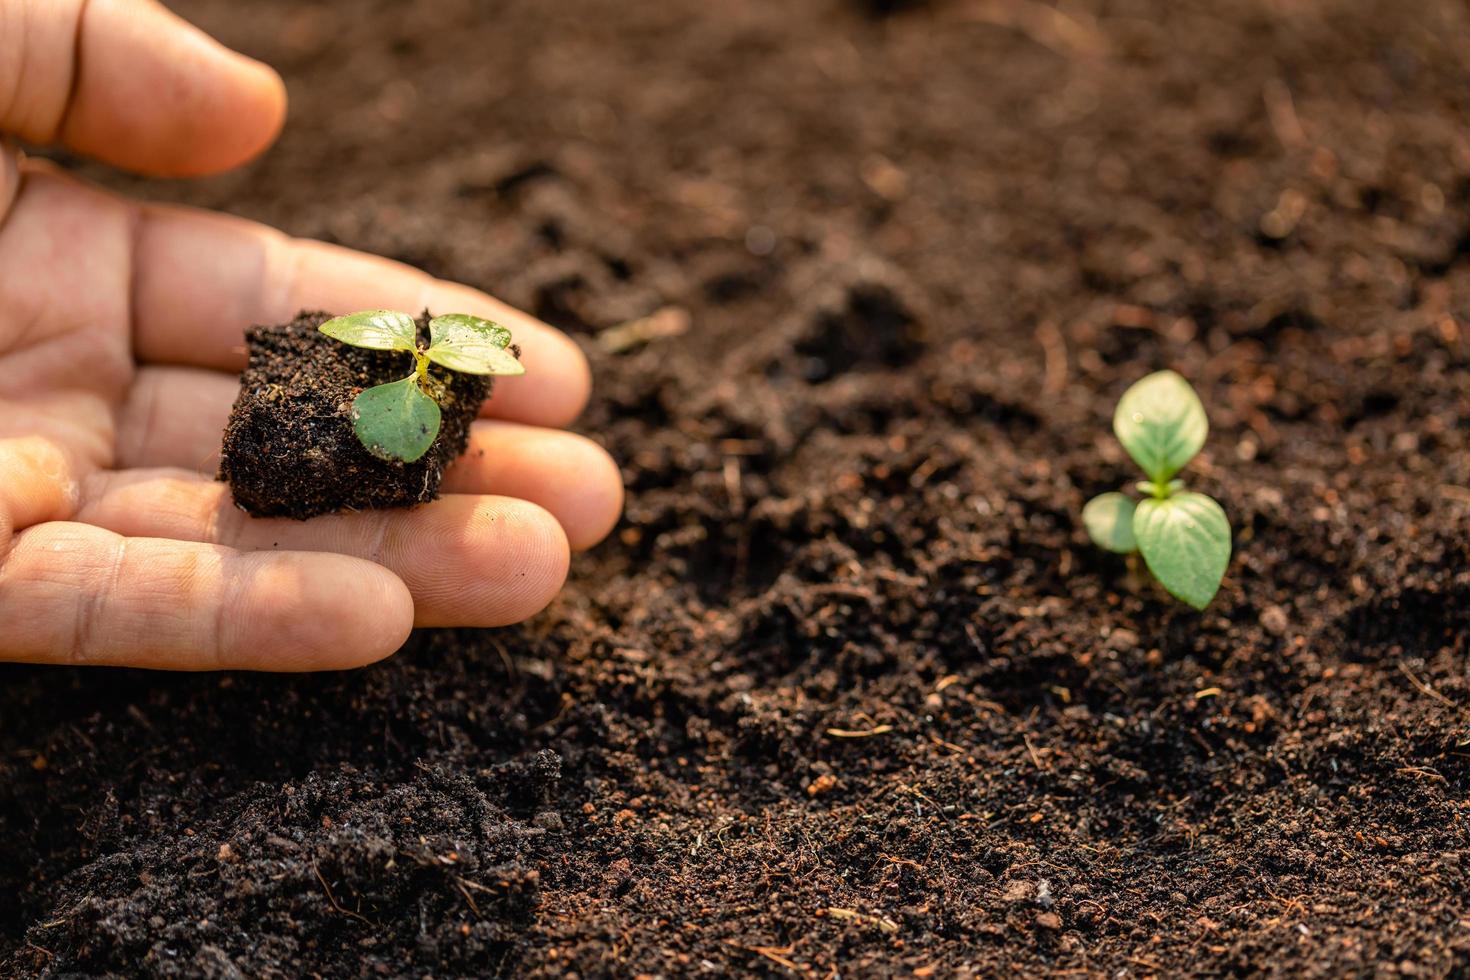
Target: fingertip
(157, 95)
(236, 111)
(542, 579)
(599, 498)
(555, 388)
(503, 561)
(551, 557)
(253, 95)
(539, 553)
(576, 379)
(387, 618)
(568, 474)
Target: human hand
(121, 329)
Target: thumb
(130, 83)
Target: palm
(67, 373)
(121, 332)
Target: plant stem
(1135, 576)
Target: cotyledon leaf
(374, 329)
(471, 345)
(1162, 424)
(396, 421)
(1185, 539)
(1109, 521)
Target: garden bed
(849, 689)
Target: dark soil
(290, 450)
(848, 693)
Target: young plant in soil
(400, 420)
(1184, 536)
(320, 426)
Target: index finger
(203, 278)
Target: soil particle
(1274, 620)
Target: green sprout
(399, 421)
(1184, 536)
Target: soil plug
(1184, 537)
(332, 416)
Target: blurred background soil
(848, 693)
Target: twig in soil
(1035, 756)
(1047, 26)
(1289, 904)
(671, 321)
(42, 950)
(1457, 494)
(919, 794)
(1281, 110)
(1424, 772)
(460, 884)
(853, 915)
(506, 661)
(926, 469)
(475, 885)
(333, 900)
(1424, 688)
(840, 590)
(852, 733)
(895, 859)
(734, 483)
(957, 749)
(889, 575)
(742, 447)
(1054, 350)
(91, 745)
(776, 954)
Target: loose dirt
(848, 692)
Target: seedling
(399, 421)
(1184, 536)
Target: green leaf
(374, 329)
(1161, 423)
(1185, 539)
(471, 345)
(1109, 521)
(396, 421)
